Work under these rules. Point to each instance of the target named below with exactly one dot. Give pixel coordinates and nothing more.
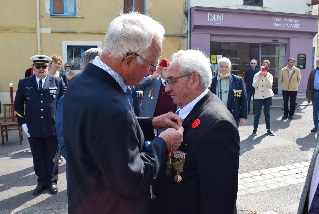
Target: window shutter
(127, 6)
(58, 6)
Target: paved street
(271, 176)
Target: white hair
(190, 61)
(224, 59)
(132, 32)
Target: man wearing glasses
(110, 169)
(201, 176)
(248, 78)
(35, 106)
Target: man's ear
(195, 80)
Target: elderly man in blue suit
(230, 89)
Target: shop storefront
(242, 35)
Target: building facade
(69, 27)
(255, 29)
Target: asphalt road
(271, 174)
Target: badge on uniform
(53, 91)
(237, 93)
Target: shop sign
(286, 23)
(216, 18)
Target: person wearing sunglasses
(248, 79)
(35, 106)
(67, 71)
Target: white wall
(286, 6)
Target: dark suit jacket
(110, 170)
(37, 109)
(235, 104)
(310, 85)
(304, 200)
(210, 177)
(249, 77)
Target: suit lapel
(47, 82)
(230, 92)
(34, 83)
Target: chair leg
(2, 137)
(6, 136)
(20, 136)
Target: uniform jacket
(37, 109)
(249, 76)
(263, 86)
(110, 170)
(237, 102)
(310, 85)
(210, 174)
(304, 200)
(287, 83)
(150, 90)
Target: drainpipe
(38, 26)
(188, 23)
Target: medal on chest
(175, 161)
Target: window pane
(69, 6)
(74, 55)
(139, 6)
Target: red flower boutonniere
(195, 123)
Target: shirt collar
(183, 112)
(98, 62)
(43, 80)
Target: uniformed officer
(35, 106)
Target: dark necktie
(314, 207)
(40, 85)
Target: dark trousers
(289, 96)
(250, 92)
(45, 152)
(259, 103)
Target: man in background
(248, 78)
(290, 79)
(230, 89)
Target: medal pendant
(178, 178)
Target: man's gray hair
(89, 55)
(225, 59)
(132, 32)
(190, 61)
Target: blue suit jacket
(110, 170)
(37, 109)
(249, 77)
(237, 105)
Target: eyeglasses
(67, 66)
(41, 66)
(151, 64)
(173, 80)
(252, 63)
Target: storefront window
(241, 53)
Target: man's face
(179, 88)
(136, 71)
(56, 65)
(41, 70)
(291, 63)
(223, 69)
(253, 63)
(164, 72)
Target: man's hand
(241, 121)
(167, 120)
(172, 137)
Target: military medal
(179, 160)
(169, 163)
